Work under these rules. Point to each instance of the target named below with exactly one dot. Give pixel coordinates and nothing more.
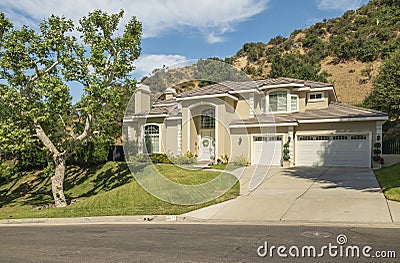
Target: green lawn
(389, 179)
(108, 189)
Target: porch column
(291, 143)
(185, 129)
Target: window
(359, 137)
(339, 138)
(313, 138)
(208, 119)
(293, 103)
(278, 101)
(152, 138)
(316, 96)
(267, 138)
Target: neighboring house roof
(232, 87)
(334, 112)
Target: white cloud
(147, 63)
(210, 17)
(342, 5)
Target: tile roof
(334, 111)
(230, 86)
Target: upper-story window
(315, 96)
(294, 101)
(208, 119)
(278, 101)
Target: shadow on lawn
(35, 189)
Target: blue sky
(179, 30)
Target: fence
(391, 147)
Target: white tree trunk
(57, 182)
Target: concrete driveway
(323, 194)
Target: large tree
(386, 93)
(36, 70)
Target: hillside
(350, 49)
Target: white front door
(267, 150)
(206, 148)
(333, 150)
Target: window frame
(209, 118)
(144, 138)
(297, 102)
(268, 99)
(309, 99)
(289, 96)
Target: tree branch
(41, 134)
(85, 132)
(78, 140)
(32, 79)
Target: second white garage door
(333, 150)
(267, 150)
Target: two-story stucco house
(253, 120)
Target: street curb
(174, 219)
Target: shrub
(182, 160)
(286, 151)
(240, 160)
(140, 158)
(225, 158)
(160, 158)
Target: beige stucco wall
(318, 105)
(170, 138)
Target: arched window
(278, 101)
(208, 119)
(152, 138)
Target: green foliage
(277, 40)
(297, 66)
(160, 158)
(385, 95)
(224, 158)
(215, 71)
(93, 151)
(253, 51)
(187, 158)
(36, 67)
(286, 151)
(240, 161)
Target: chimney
(170, 93)
(142, 98)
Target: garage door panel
(333, 150)
(267, 150)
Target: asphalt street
(190, 243)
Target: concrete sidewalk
(321, 194)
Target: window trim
(159, 137)
(315, 100)
(289, 96)
(212, 117)
(297, 101)
(277, 90)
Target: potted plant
(378, 160)
(286, 155)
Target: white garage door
(333, 150)
(267, 150)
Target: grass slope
(389, 179)
(108, 189)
